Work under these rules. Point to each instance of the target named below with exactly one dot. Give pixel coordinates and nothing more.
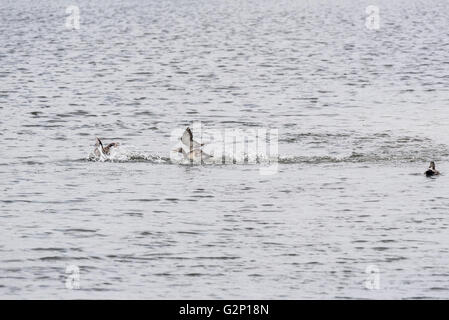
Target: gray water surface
(360, 113)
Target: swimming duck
(432, 171)
(100, 150)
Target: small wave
(357, 147)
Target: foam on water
(312, 148)
(127, 153)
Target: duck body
(195, 153)
(101, 150)
(431, 171)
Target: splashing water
(125, 153)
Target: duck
(100, 150)
(195, 152)
(432, 171)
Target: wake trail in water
(310, 148)
(399, 156)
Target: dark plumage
(431, 171)
(101, 149)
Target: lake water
(360, 113)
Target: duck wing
(98, 142)
(205, 155)
(186, 136)
(187, 139)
